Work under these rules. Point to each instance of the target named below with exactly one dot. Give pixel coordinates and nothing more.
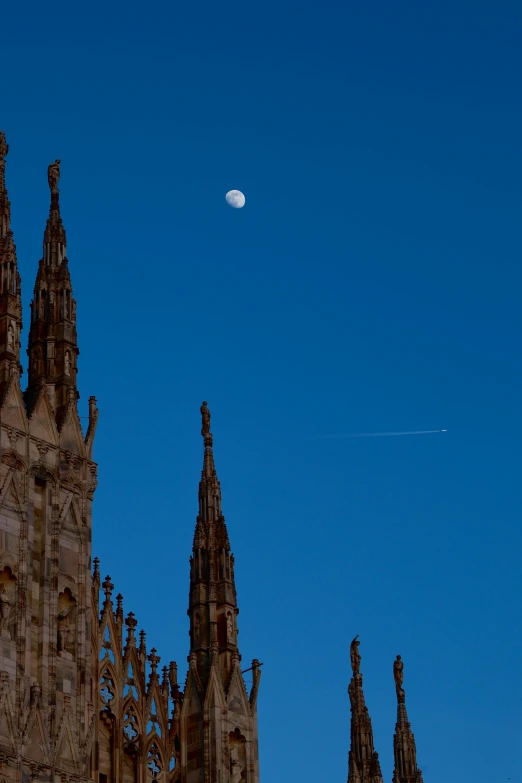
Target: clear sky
(371, 283)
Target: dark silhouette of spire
(404, 750)
(53, 346)
(363, 761)
(10, 293)
(212, 601)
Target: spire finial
(205, 419)
(363, 763)
(209, 489)
(108, 587)
(355, 656)
(404, 748)
(398, 676)
(53, 175)
(54, 235)
(154, 661)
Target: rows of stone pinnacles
(138, 709)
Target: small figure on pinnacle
(205, 419)
(355, 655)
(398, 676)
(53, 175)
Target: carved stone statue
(236, 771)
(230, 627)
(10, 337)
(67, 363)
(205, 419)
(5, 609)
(63, 629)
(398, 675)
(65, 604)
(53, 175)
(355, 655)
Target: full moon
(235, 199)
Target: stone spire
(53, 346)
(10, 293)
(404, 750)
(363, 761)
(218, 718)
(212, 604)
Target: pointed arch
(107, 687)
(154, 760)
(130, 681)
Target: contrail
(384, 434)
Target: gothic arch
(44, 472)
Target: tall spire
(405, 752)
(10, 294)
(53, 347)
(212, 602)
(363, 761)
(218, 719)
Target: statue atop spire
(53, 175)
(205, 419)
(363, 761)
(355, 656)
(404, 749)
(398, 676)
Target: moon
(235, 199)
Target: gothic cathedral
(78, 702)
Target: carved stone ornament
(53, 175)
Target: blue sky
(371, 283)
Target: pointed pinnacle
(54, 235)
(209, 489)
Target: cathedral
(82, 697)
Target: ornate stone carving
(66, 620)
(236, 771)
(355, 655)
(5, 610)
(7, 601)
(398, 676)
(53, 175)
(230, 626)
(205, 419)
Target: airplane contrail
(385, 434)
